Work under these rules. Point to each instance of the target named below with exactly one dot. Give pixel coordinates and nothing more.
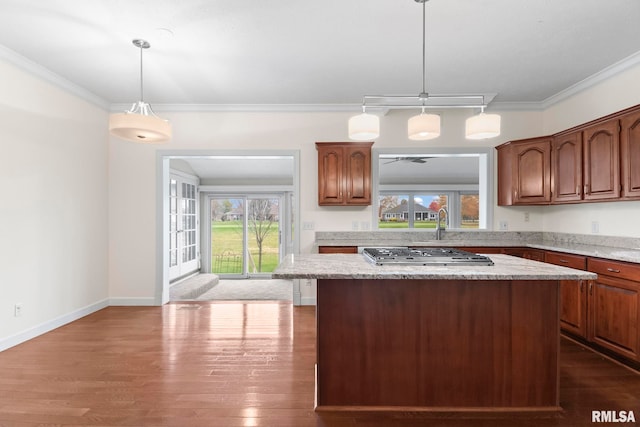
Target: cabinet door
(505, 175)
(358, 175)
(630, 155)
(602, 161)
(573, 294)
(330, 175)
(615, 316)
(573, 307)
(532, 172)
(566, 161)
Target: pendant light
(140, 123)
(425, 126)
(364, 126)
(482, 126)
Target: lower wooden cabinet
(604, 313)
(614, 310)
(573, 294)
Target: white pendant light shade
(483, 126)
(364, 127)
(423, 127)
(139, 127)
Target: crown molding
(247, 108)
(49, 76)
(514, 106)
(594, 79)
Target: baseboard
(142, 302)
(50, 325)
(308, 301)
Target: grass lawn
(226, 257)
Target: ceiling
(432, 169)
(238, 170)
(322, 53)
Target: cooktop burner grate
(424, 256)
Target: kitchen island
(435, 338)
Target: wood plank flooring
(233, 364)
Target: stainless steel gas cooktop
(424, 256)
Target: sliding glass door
(246, 234)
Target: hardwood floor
(233, 364)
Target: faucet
(438, 229)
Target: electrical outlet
(308, 225)
(595, 227)
(355, 225)
(364, 225)
(17, 310)
(504, 225)
(526, 217)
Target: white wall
(53, 209)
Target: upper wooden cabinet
(524, 172)
(630, 155)
(344, 173)
(602, 161)
(596, 161)
(566, 162)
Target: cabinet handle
(578, 189)
(586, 191)
(581, 286)
(590, 288)
(564, 261)
(613, 270)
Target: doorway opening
(227, 216)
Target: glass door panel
(227, 235)
(263, 234)
(184, 254)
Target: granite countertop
(613, 248)
(355, 266)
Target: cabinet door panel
(358, 176)
(602, 161)
(615, 315)
(567, 168)
(573, 307)
(330, 179)
(573, 294)
(630, 155)
(532, 172)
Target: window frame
(485, 187)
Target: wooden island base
(439, 345)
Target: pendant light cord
(424, 49)
(141, 77)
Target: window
(413, 187)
